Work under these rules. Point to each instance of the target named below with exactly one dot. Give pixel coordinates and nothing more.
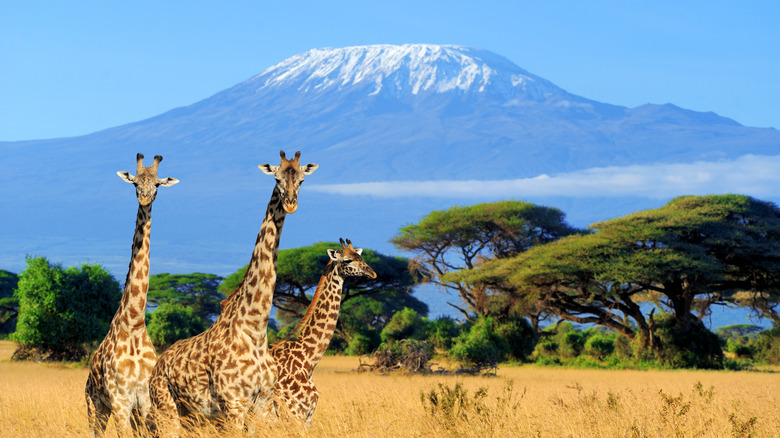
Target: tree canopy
(461, 238)
(171, 322)
(197, 291)
(693, 252)
(299, 271)
(60, 308)
(9, 305)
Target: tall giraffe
(225, 370)
(118, 381)
(296, 360)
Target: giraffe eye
(347, 260)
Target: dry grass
(39, 400)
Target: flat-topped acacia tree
(692, 253)
(460, 238)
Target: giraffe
(118, 381)
(295, 360)
(224, 371)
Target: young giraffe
(225, 370)
(295, 360)
(118, 381)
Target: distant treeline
(522, 276)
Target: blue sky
(71, 68)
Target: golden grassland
(45, 400)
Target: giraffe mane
(330, 266)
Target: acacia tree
(461, 238)
(197, 291)
(686, 256)
(299, 271)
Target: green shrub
(738, 349)
(547, 349)
(767, 346)
(600, 345)
(405, 324)
(171, 322)
(490, 342)
(442, 332)
(569, 340)
(362, 343)
(696, 347)
(480, 345)
(60, 309)
(520, 336)
(622, 347)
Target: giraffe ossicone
(118, 380)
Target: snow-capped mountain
(399, 71)
(364, 114)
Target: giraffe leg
(97, 412)
(165, 415)
(122, 420)
(235, 413)
(141, 418)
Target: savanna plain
(47, 400)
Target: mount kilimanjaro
(364, 114)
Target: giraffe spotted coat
(226, 370)
(295, 360)
(118, 380)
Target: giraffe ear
(126, 177)
(309, 168)
(267, 168)
(359, 251)
(167, 182)
(333, 254)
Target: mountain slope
(371, 113)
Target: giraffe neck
(316, 328)
(132, 308)
(251, 302)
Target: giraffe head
(289, 177)
(348, 261)
(145, 180)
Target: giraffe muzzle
(290, 205)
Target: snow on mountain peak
(406, 69)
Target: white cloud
(753, 175)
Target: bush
(491, 342)
(171, 322)
(600, 345)
(767, 345)
(405, 324)
(622, 347)
(61, 309)
(738, 349)
(696, 347)
(480, 344)
(362, 343)
(9, 306)
(408, 355)
(546, 351)
(568, 341)
(442, 332)
(571, 343)
(520, 336)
